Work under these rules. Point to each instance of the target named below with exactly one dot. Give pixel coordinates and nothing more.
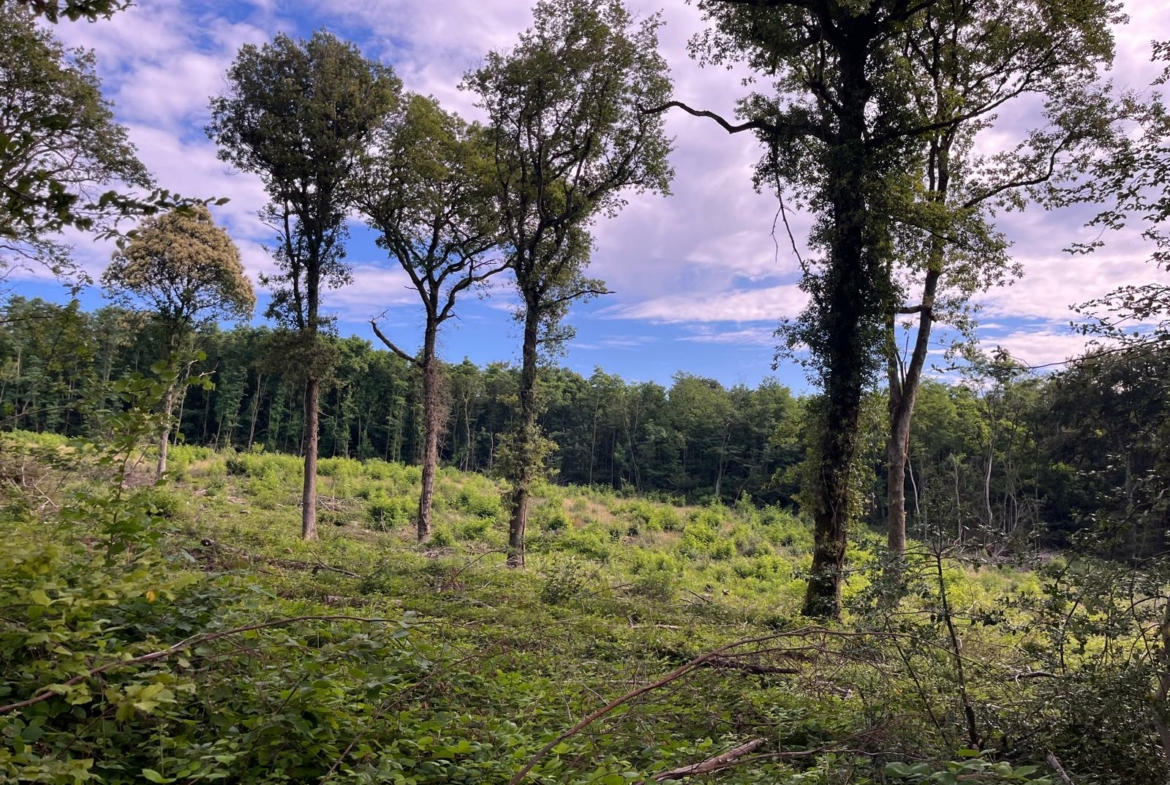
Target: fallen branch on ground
(1054, 762)
(677, 673)
(709, 765)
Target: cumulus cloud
(702, 258)
(1040, 346)
(745, 305)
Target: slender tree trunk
(206, 413)
(255, 409)
(164, 439)
(432, 422)
(987, 486)
(958, 504)
(849, 301)
(526, 434)
(467, 447)
(309, 497)
(593, 436)
(902, 401)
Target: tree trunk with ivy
(526, 453)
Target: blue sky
(699, 282)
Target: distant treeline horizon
(1007, 457)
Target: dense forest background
(1004, 457)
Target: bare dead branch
(711, 764)
(1054, 762)
(389, 344)
(750, 125)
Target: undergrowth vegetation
(182, 632)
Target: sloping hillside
(187, 634)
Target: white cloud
(759, 336)
(747, 305)
(703, 255)
(1039, 346)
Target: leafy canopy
(300, 114)
(427, 190)
(187, 269)
(60, 148)
(569, 138)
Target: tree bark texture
(164, 440)
(849, 299)
(524, 445)
(309, 496)
(433, 411)
(903, 396)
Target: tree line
(1005, 460)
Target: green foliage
(389, 512)
(482, 683)
(52, 110)
(973, 767)
(550, 518)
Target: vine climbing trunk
(525, 448)
(851, 300)
(309, 496)
(433, 422)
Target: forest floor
(380, 659)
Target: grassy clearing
(473, 668)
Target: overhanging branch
(390, 344)
(751, 125)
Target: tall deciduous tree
(60, 149)
(569, 142)
(843, 140)
(188, 271)
(972, 61)
(300, 114)
(428, 191)
(833, 130)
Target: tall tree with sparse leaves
(427, 190)
(301, 114)
(569, 142)
(948, 248)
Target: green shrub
(699, 538)
(722, 550)
(474, 530)
(708, 517)
(589, 542)
(550, 518)
(664, 519)
(389, 512)
(163, 502)
(481, 505)
(562, 580)
(441, 538)
(656, 585)
(236, 466)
